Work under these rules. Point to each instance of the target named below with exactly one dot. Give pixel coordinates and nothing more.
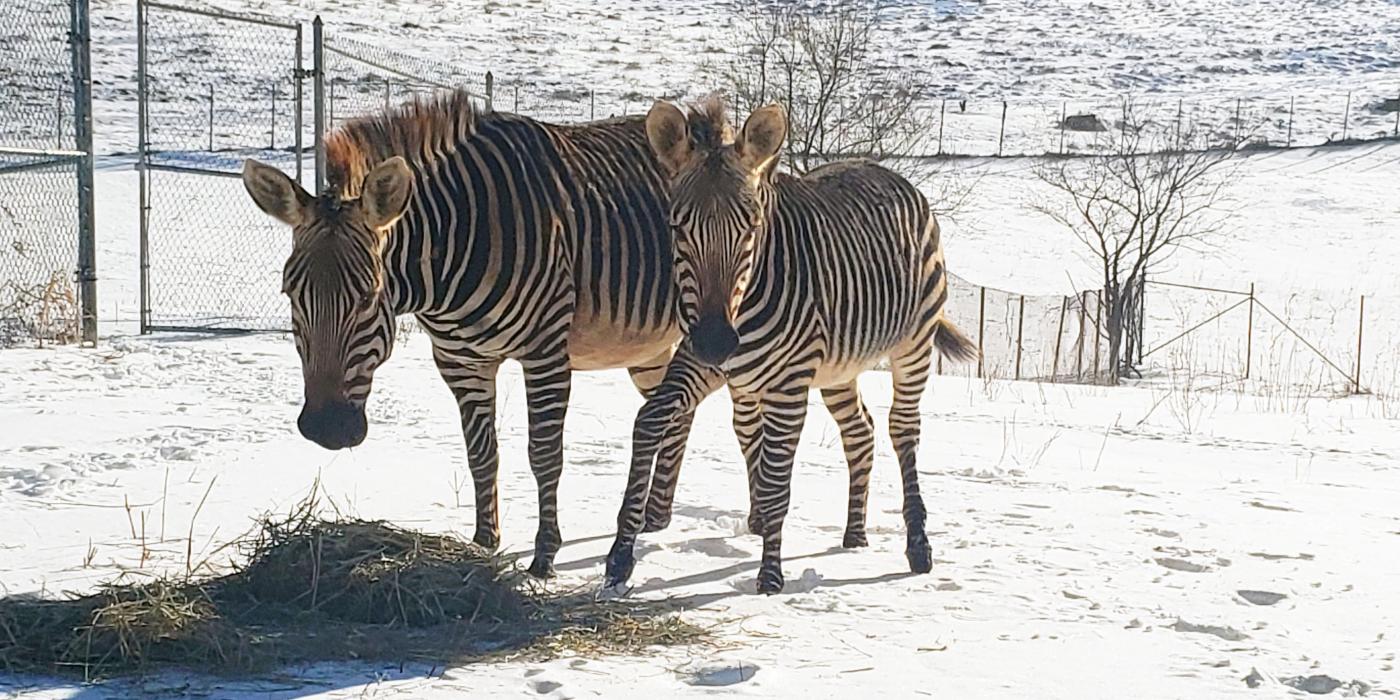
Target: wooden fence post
(1020, 333)
(1346, 116)
(1079, 346)
(1249, 335)
(1360, 326)
(1289, 142)
(1098, 334)
(1001, 138)
(981, 331)
(1064, 114)
(942, 116)
(1059, 334)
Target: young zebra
(791, 283)
(506, 239)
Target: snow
(1085, 544)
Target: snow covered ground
(1086, 543)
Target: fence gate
(213, 89)
(48, 271)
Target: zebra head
(342, 317)
(720, 190)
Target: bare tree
(1161, 189)
(824, 65)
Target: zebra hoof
(920, 557)
(770, 581)
(656, 523)
(541, 568)
(621, 561)
(488, 541)
(854, 539)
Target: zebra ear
(762, 139)
(669, 134)
(385, 193)
(275, 193)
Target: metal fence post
(297, 75)
(490, 91)
(318, 96)
(272, 138)
(1020, 331)
(143, 175)
(981, 331)
(1396, 131)
(1360, 326)
(211, 117)
(516, 107)
(81, 41)
(1249, 336)
(591, 116)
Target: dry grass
(317, 589)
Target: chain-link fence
(214, 89)
(47, 259)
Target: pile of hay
(318, 589)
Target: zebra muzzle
(713, 339)
(334, 425)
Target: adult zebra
(507, 239)
(792, 284)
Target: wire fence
(212, 261)
(47, 254)
(1047, 338)
(1289, 343)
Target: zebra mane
(709, 127)
(421, 130)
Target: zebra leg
(686, 383)
(858, 439)
(671, 452)
(474, 386)
(784, 412)
(910, 373)
(748, 428)
(547, 383)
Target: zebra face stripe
(718, 218)
(342, 320)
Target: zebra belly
(603, 345)
(837, 373)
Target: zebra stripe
(835, 271)
(509, 239)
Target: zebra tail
(952, 343)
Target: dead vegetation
(315, 589)
(46, 312)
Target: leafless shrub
(1162, 190)
(823, 65)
